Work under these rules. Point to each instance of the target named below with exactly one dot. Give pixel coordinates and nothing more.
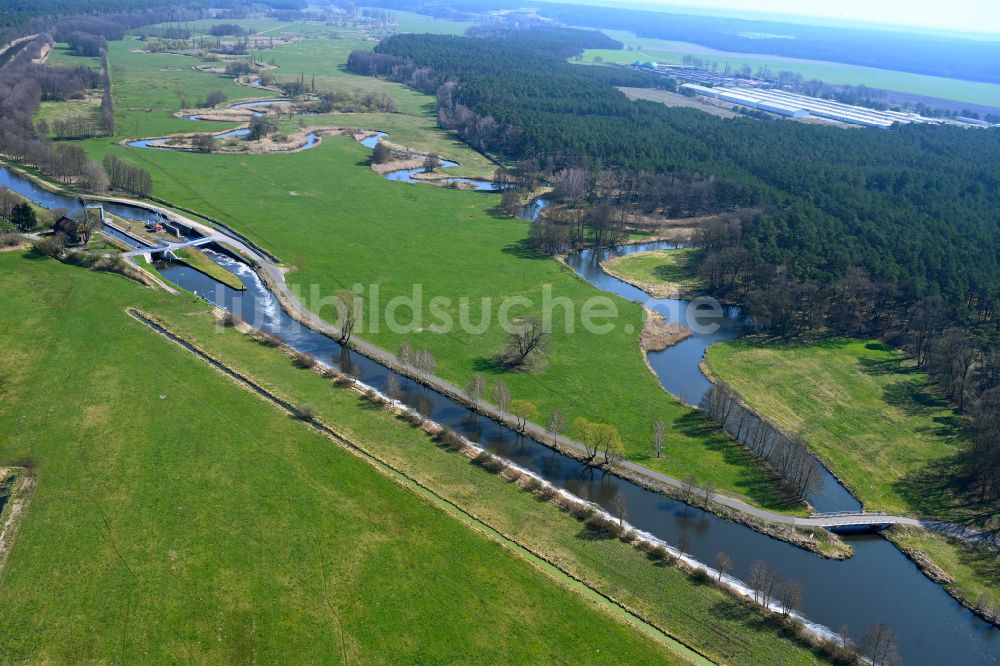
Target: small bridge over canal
(170, 247)
(855, 520)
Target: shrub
(513, 474)
(582, 510)
(488, 461)
(343, 381)
(661, 553)
(307, 412)
(450, 439)
(231, 320)
(265, 338)
(533, 484)
(413, 418)
(10, 240)
(303, 360)
(701, 576)
(547, 492)
(51, 246)
(602, 523)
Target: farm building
(704, 91)
(65, 226)
(782, 109)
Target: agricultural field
(669, 52)
(176, 514)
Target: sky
(974, 16)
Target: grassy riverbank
(197, 260)
(178, 517)
(864, 408)
(661, 273)
(973, 573)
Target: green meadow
(178, 518)
(336, 223)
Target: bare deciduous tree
(393, 387)
(424, 361)
(477, 387)
(87, 223)
(879, 645)
(432, 163)
(683, 544)
(620, 505)
(723, 565)
(707, 492)
(527, 339)
(348, 312)
(659, 435)
(762, 580)
(790, 596)
(687, 488)
(501, 396)
(8, 199)
(556, 424)
(405, 354)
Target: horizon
(972, 18)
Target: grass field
(337, 223)
(177, 517)
(659, 270)
(61, 55)
(150, 88)
(867, 411)
(668, 52)
(725, 630)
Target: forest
(890, 233)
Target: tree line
(24, 85)
(787, 455)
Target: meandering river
(877, 584)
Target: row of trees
(787, 455)
(127, 178)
